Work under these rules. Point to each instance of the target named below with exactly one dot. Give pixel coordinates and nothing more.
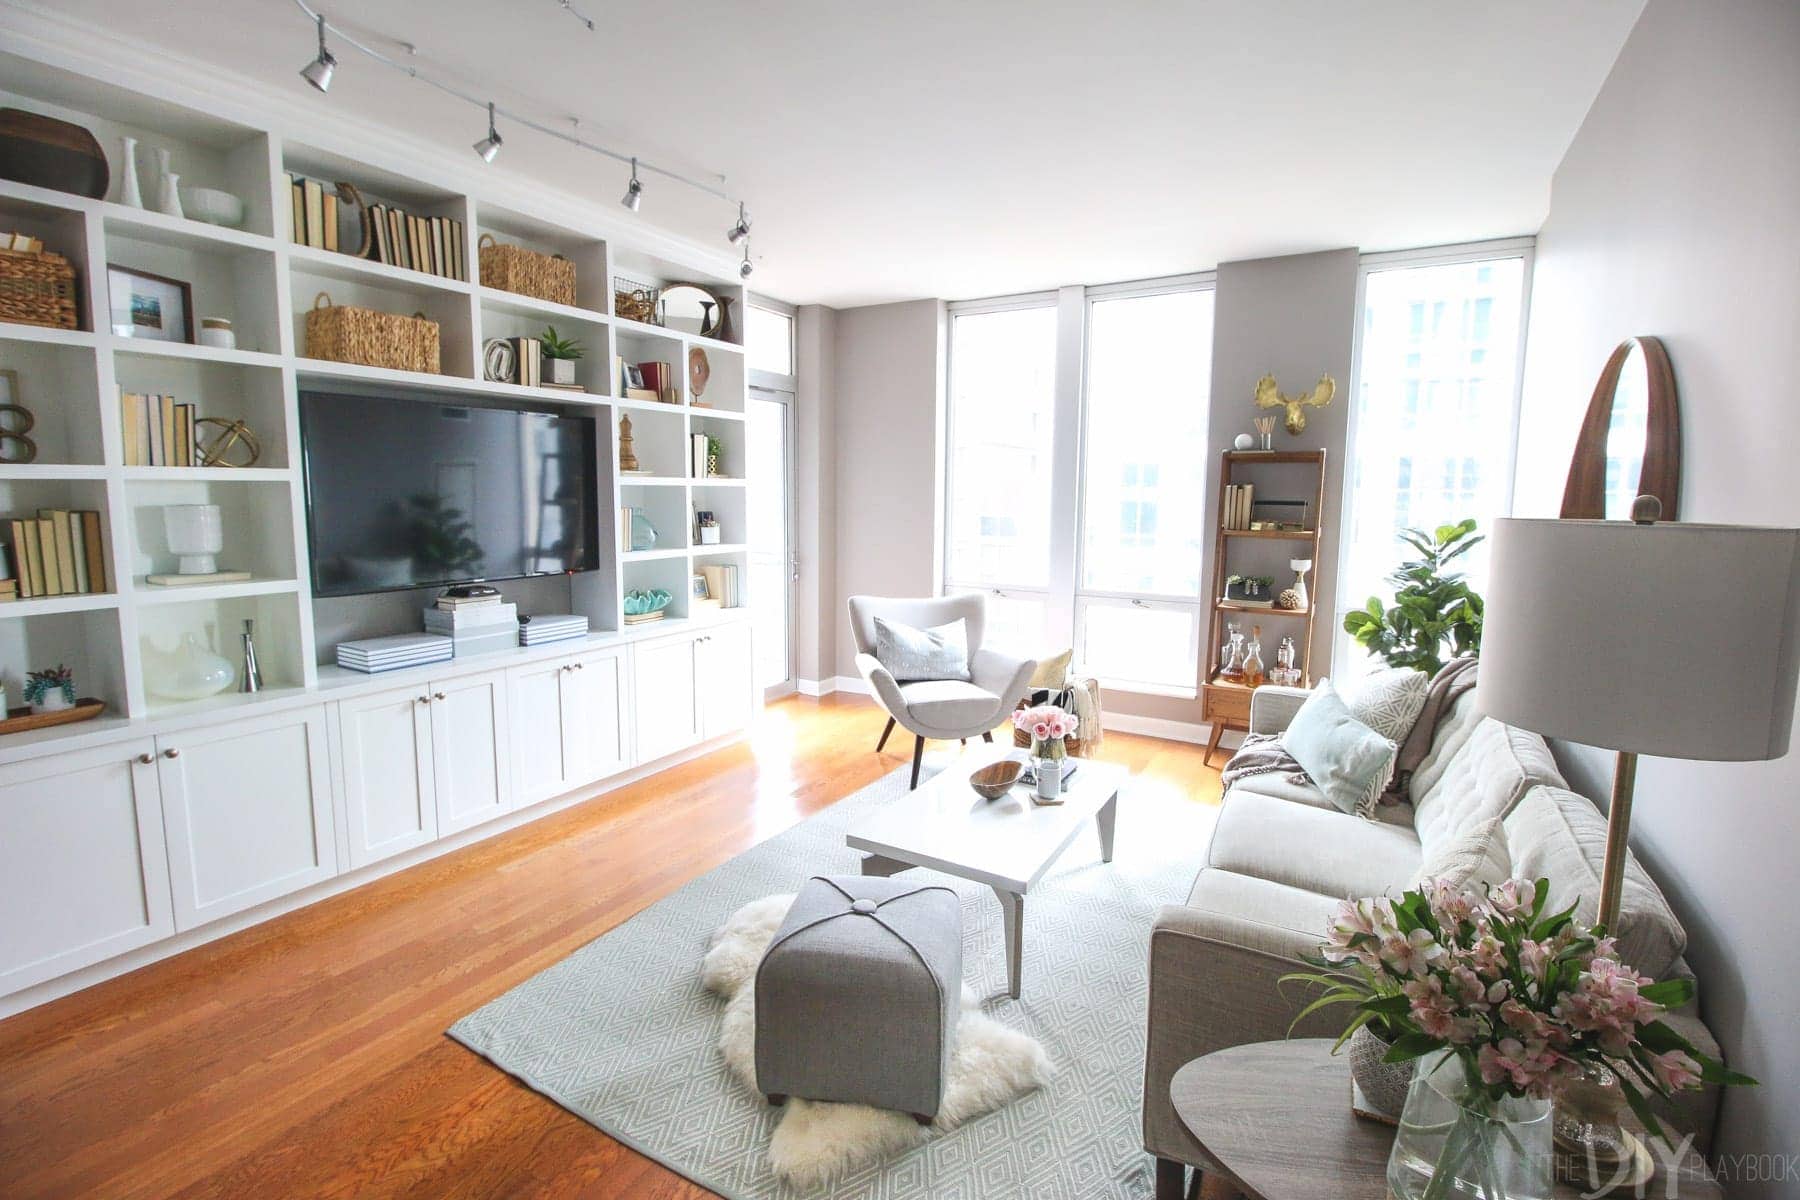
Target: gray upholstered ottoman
(858, 993)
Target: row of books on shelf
(59, 552)
(721, 586)
(648, 381)
(1239, 497)
(390, 235)
(158, 432)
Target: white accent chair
(938, 708)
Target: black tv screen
(408, 492)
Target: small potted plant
(1250, 589)
(560, 356)
(50, 691)
(714, 450)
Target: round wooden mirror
(1630, 443)
(691, 309)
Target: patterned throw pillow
(1389, 700)
(913, 655)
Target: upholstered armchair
(938, 708)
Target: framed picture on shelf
(152, 307)
(697, 588)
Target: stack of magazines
(370, 655)
(551, 627)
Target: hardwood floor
(307, 1056)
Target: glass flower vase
(1457, 1143)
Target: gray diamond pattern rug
(622, 1034)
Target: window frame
(774, 381)
(1065, 600)
(1522, 248)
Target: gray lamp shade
(1674, 640)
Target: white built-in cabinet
(83, 872)
(668, 707)
(247, 810)
(724, 674)
(569, 721)
(471, 741)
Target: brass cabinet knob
(424, 699)
(437, 695)
(581, 666)
(171, 752)
(146, 759)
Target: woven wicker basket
(526, 272)
(342, 333)
(37, 289)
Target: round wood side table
(1276, 1116)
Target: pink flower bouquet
(1048, 725)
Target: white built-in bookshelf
(264, 283)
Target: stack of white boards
(370, 655)
(551, 627)
(477, 629)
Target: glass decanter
(1233, 670)
(1253, 661)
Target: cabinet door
(595, 744)
(385, 750)
(247, 806)
(534, 698)
(666, 717)
(469, 735)
(83, 870)
(727, 680)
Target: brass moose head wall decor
(1268, 395)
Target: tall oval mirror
(1630, 441)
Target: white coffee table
(1006, 844)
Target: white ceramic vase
(130, 194)
(196, 534)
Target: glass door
(771, 557)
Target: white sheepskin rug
(990, 1065)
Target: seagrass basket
(526, 272)
(347, 334)
(37, 289)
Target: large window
(1076, 500)
(1434, 428)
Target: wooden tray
(19, 720)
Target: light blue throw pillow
(1349, 761)
(912, 655)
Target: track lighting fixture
(489, 146)
(741, 230)
(318, 72)
(744, 268)
(634, 191)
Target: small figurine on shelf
(1253, 663)
(50, 691)
(627, 455)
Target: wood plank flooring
(307, 1056)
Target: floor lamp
(1674, 640)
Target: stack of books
(649, 381)
(158, 432)
(1238, 498)
(391, 235)
(551, 627)
(373, 655)
(722, 583)
(474, 625)
(528, 361)
(699, 450)
(56, 553)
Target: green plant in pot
(560, 355)
(1434, 615)
(715, 450)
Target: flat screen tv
(411, 492)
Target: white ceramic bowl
(212, 206)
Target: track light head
(318, 72)
(741, 230)
(634, 191)
(489, 146)
(744, 268)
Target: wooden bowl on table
(996, 779)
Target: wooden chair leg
(882, 744)
(918, 759)
(988, 736)
(1171, 1180)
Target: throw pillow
(1053, 673)
(912, 655)
(1389, 700)
(1476, 856)
(1346, 759)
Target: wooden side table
(1276, 1116)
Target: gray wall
(1675, 213)
(1294, 317)
(815, 492)
(890, 406)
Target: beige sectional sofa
(1282, 857)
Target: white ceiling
(954, 148)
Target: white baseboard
(850, 683)
(815, 687)
(1160, 727)
(75, 981)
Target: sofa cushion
(1349, 761)
(1558, 835)
(1260, 915)
(949, 703)
(1489, 773)
(1474, 859)
(1318, 849)
(1283, 786)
